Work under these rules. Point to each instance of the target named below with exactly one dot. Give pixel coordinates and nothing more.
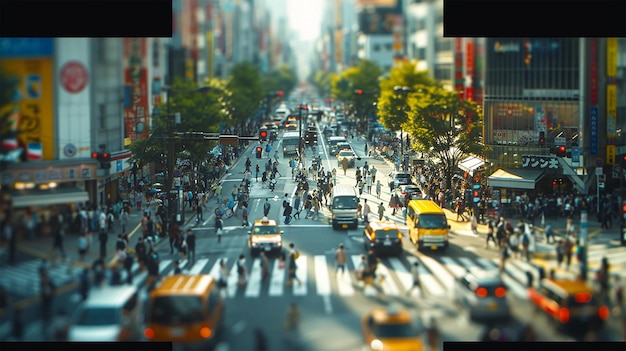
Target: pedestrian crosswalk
(22, 279)
(317, 275)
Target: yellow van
(186, 309)
(428, 225)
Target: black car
(399, 178)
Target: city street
(332, 304)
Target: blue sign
(26, 47)
(593, 133)
(118, 165)
(575, 154)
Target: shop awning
(471, 163)
(514, 178)
(57, 196)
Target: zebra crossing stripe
(389, 286)
(403, 274)
(344, 283)
(253, 286)
(487, 264)
(215, 269)
(430, 283)
(446, 279)
(453, 267)
(276, 280)
(198, 266)
(301, 273)
(613, 255)
(233, 281)
(322, 279)
(469, 265)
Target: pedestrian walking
(366, 212)
(190, 239)
(83, 246)
(526, 243)
(504, 255)
(244, 214)
(57, 244)
(257, 171)
(287, 213)
(47, 291)
(266, 207)
(140, 251)
(84, 284)
(296, 206)
(567, 252)
(474, 224)
(415, 274)
(549, 234)
(379, 188)
(560, 254)
(491, 228)
(381, 211)
(340, 259)
(241, 270)
(260, 340)
(103, 238)
(198, 213)
(223, 273)
(293, 255)
(124, 218)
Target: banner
(136, 93)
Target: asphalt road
(331, 304)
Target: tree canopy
(245, 93)
(282, 78)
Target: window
(432, 221)
(213, 301)
(99, 316)
(394, 330)
(176, 309)
(376, 47)
(345, 202)
(388, 47)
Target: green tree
(8, 87)
(322, 81)
(245, 93)
(392, 103)
(282, 78)
(364, 76)
(444, 127)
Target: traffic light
(279, 94)
(358, 92)
(542, 138)
(476, 193)
(263, 135)
(259, 151)
(104, 158)
(561, 151)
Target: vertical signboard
(593, 96)
(611, 90)
(29, 60)
(458, 68)
(136, 92)
(469, 70)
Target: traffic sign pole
(583, 244)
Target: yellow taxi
(391, 329)
(570, 304)
(384, 237)
(265, 235)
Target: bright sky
(305, 17)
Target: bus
(291, 142)
(428, 225)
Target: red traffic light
(263, 134)
(561, 148)
(259, 149)
(624, 208)
(280, 93)
(475, 193)
(94, 155)
(358, 92)
(105, 155)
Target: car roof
(110, 296)
(383, 225)
(566, 287)
(264, 221)
(484, 278)
(382, 315)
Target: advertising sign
(136, 92)
(575, 155)
(611, 111)
(539, 162)
(595, 126)
(594, 72)
(32, 110)
(611, 57)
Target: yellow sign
(611, 57)
(611, 110)
(34, 107)
(610, 154)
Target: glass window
(176, 309)
(214, 299)
(432, 221)
(394, 330)
(265, 229)
(345, 202)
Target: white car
(110, 313)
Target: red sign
(594, 72)
(469, 59)
(136, 81)
(74, 77)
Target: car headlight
(255, 244)
(376, 345)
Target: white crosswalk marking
(389, 286)
(322, 279)
(344, 283)
(446, 279)
(277, 280)
(253, 287)
(487, 264)
(403, 275)
(301, 274)
(233, 281)
(215, 269)
(430, 283)
(199, 266)
(454, 267)
(469, 265)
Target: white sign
(599, 171)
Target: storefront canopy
(57, 196)
(471, 163)
(514, 178)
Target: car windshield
(382, 234)
(345, 202)
(345, 153)
(403, 176)
(432, 221)
(176, 309)
(99, 316)
(265, 229)
(394, 330)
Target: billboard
(377, 20)
(136, 104)
(32, 109)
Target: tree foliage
(444, 127)
(322, 81)
(245, 93)
(392, 104)
(364, 76)
(282, 78)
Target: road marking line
(199, 266)
(233, 281)
(322, 280)
(454, 267)
(301, 264)
(253, 286)
(276, 281)
(402, 273)
(437, 270)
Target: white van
(344, 203)
(110, 313)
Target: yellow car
(391, 329)
(265, 235)
(347, 154)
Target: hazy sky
(305, 17)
